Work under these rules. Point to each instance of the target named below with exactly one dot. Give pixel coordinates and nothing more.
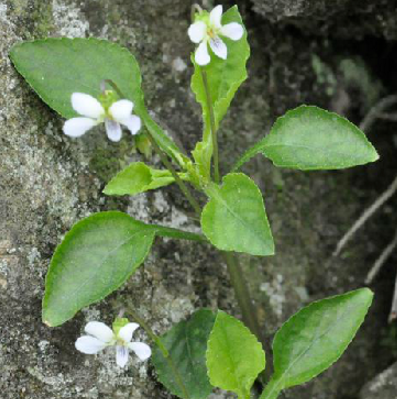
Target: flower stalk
(157, 340)
(242, 293)
(189, 196)
(214, 133)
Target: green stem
(180, 234)
(157, 340)
(213, 126)
(242, 293)
(236, 275)
(193, 202)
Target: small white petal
(142, 350)
(86, 105)
(233, 31)
(133, 123)
(121, 109)
(197, 31)
(202, 56)
(89, 345)
(219, 47)
(76, 127)
(113, 130)
(121, 355)
(216, 17)
(99, 330)
(126, 332)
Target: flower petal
(126, 332)
(89, 345)
(142, 350)
(233, 31)
(202, 56)
(121, 355)
(99, 330)
(86, 105)
(219, 47)
(121, 109)
(133, 123)
(216, 17)
(113, 130)
(76, 127)
(197, 31)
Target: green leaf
(235, 358)
(310, 138)
(224, 76)
(202, 155)
(186, 343)
(235, 217)
(95, 258)
(315, 338)
(138, 178)
(58, 67)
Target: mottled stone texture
(383, 386)
(341, 18)
(48, 182)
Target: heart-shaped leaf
(234, 356)
(235, 218)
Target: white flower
(119, 112)
(208, 30)
(101, 336)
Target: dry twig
(381, 260)
(377, 110)
(393, 312)
(366, 215)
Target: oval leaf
(138, 178)
(224, 76)
(315, 338)
(234, 356)
(310, 138)
(235, 217)
(58, 67)
(96, 257)
(186, 343)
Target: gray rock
(48, 182)
(341, 18)
(383, 386)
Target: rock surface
(347, 19)
(48, 182)
(383, 386)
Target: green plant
(102, 82)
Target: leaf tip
(367, 292)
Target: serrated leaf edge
(259, 345)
